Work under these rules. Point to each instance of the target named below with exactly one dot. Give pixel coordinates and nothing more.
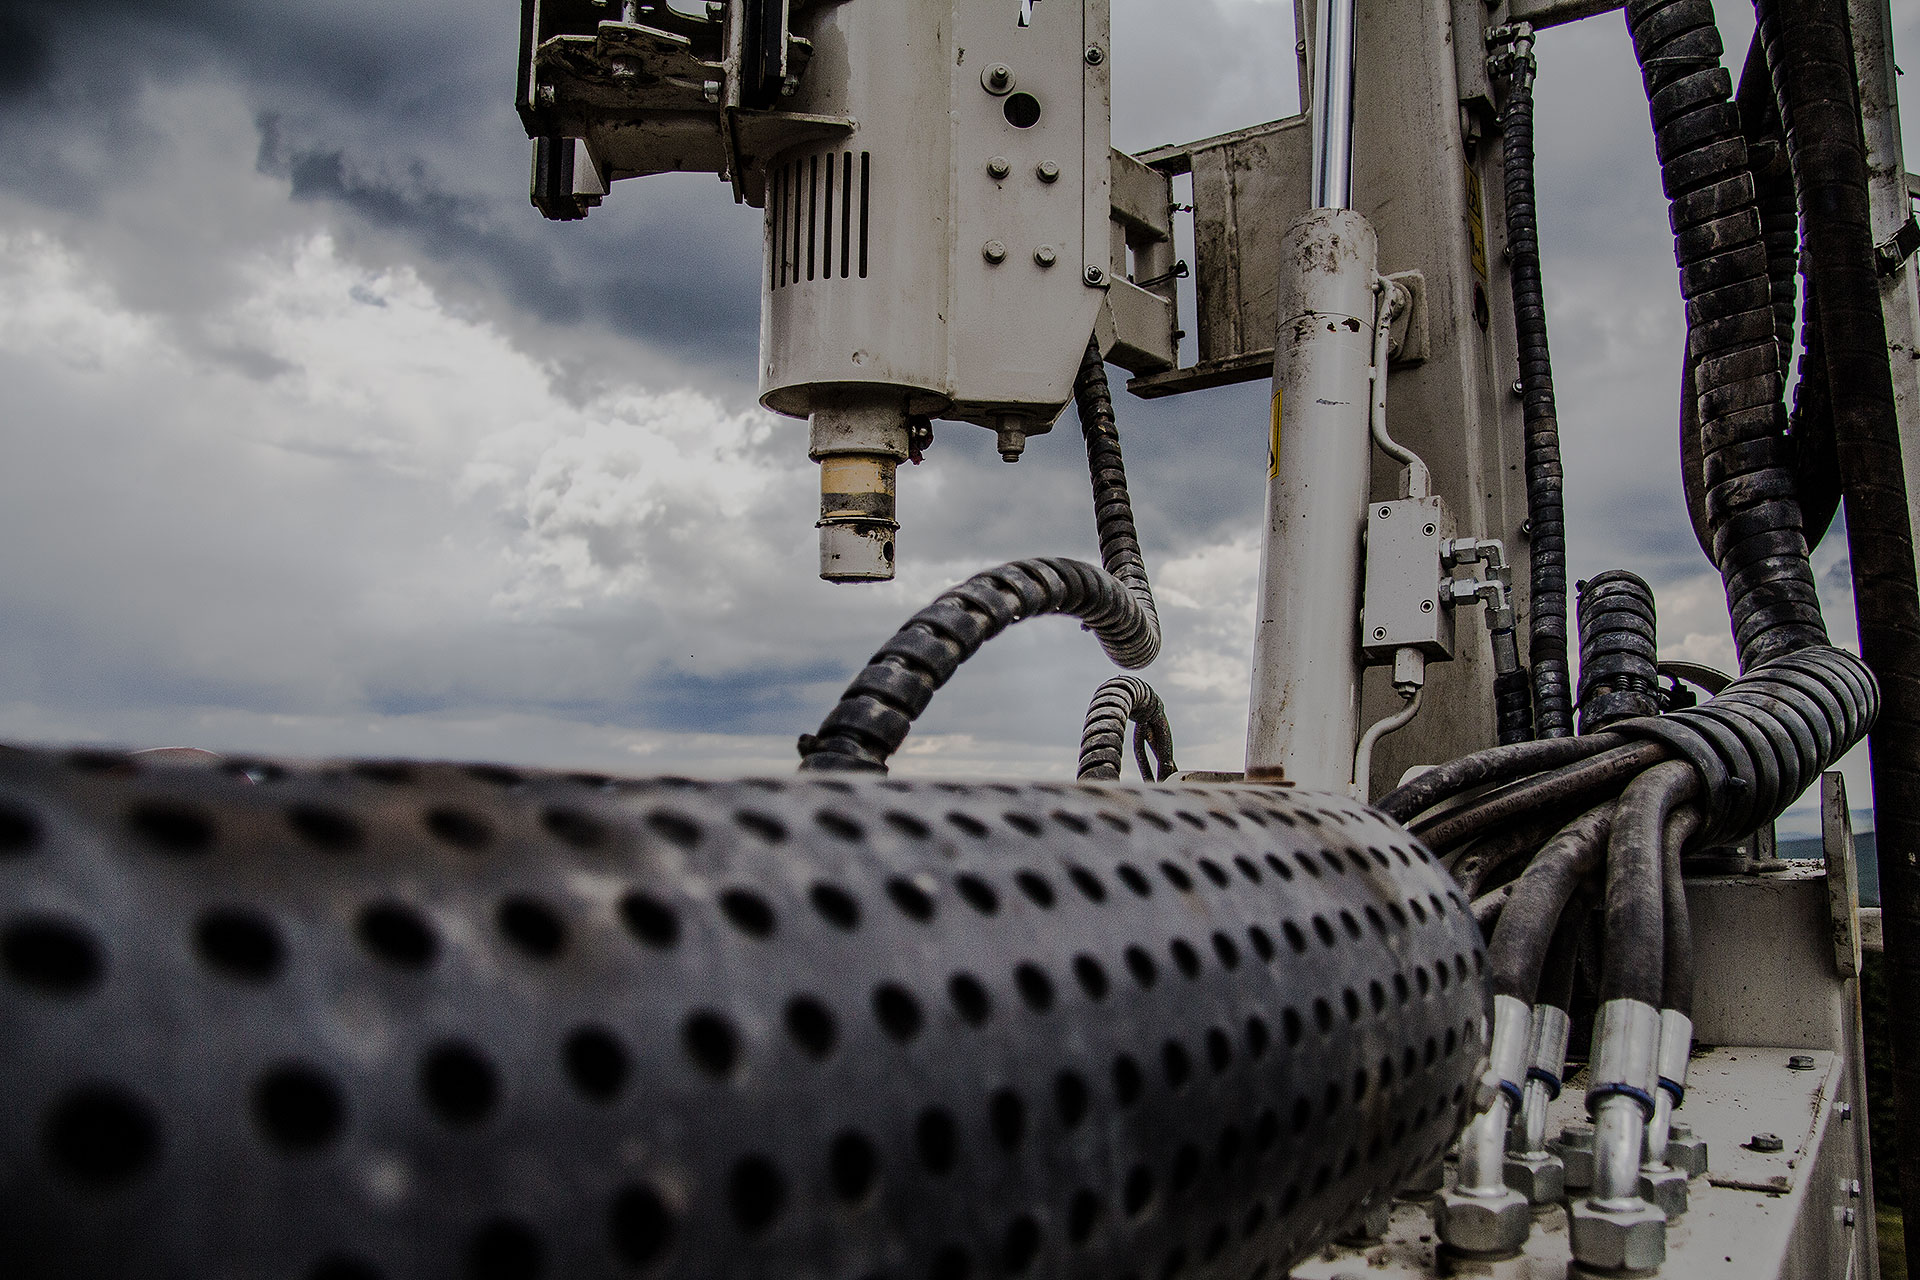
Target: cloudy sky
(318, 439)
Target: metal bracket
(1893, 254)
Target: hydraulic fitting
(1685, 1150)
(1574, 1146)
(1480, 1214)
(1662, 1182)
(1613, 1228)
(1533, 1170)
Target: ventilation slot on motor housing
(816, 227)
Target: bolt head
(1800, 1062)
(1766, 1142)
(1045, 255)
(710, 91)
(997, 78)
(994, 251)
(1379, 633)
(1095, 55)
(1096, 276)
(999, 166)
(1492, 1225)
(1048, 171)
(1621, 1240)
(1426, 606)
(1665, 1189)
(1518, 388)
(1429, 530)
(1541, 1179)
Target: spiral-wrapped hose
(1547, 550)
(1102, 742)
(1618, 650)
(1115, 603)
(1751, 506)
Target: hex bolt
(1853, 1188)
(1045, 256)
(1800, 1062)
(1848, 1217)
(1845, 1110)
(1765, 1142)
(711, 91)
(1048, 171)
(997, 78)
(1095, 55)
(999, 166)
(994, 251)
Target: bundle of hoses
(1119, 701)
(1115, 602)
(1619, 805)
(1546, 517)
(1618, 650)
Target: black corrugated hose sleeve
(1547, 541)
(1103, 741)
(1632, 967)
(1619, 646)
(1751, 504)
(1531, 918)
(1809, 50)
(1513, 707)
(1115, 603)
(880, 706)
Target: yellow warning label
(1273, 441)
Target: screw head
(994, 251)
(999, 166)
(1426, 606)
(1095, 55)
(1518, 389)
(1386, 513)
(1045, 255)
(1800, 1062)
(1379, 633)
(1048, 171)
(1429, 530)
(1766, 1142)
(997, 78)
(1096, 276)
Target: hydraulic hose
(1115, 703)
(1564, 790)
(1112, 505)
(1752, 512)
(1115, 603)
(1531, 920)
(1676, 951)
(1619, 646)
(1632, 966)
(1494, 765)
(1810, 57)
(1547, 548)
(880, 706)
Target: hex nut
(1541, 1179)
(1665, 1189)
(1621, 1240)
(1686, 1152)
(1494, 1225)
(1576, 1155)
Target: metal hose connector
(1103, 741)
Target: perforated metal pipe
(392, 1021)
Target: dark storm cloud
(398, 119)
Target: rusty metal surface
(369, 1020)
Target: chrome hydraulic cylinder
(1333, 105)
(1305, 712)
